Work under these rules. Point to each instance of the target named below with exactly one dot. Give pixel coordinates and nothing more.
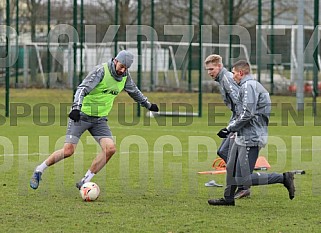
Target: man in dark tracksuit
(229, 92)
(93, 101)
(251, 132)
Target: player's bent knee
(68, 150)
(219, 153)
(108, 146)
(111, 150)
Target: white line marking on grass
(147, 152)
(125, 152)
(162, 129)
(33, 154)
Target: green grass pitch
(151, 183)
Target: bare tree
(33, 7)
(108, 9)
(245, 12)
(127, 13)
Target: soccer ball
(89, 191)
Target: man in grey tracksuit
(229, 91)
(251, 132)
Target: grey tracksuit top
(97, 75)
(229, 90)
(254, 113)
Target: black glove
(75, 115)
(223, 133)
(153, 108)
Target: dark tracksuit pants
(224, 148)
(223, 152)
(239, 169)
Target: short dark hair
(242, 65)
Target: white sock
(88, 176)
(41, 168)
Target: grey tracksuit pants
(239, 169)
(223, 152)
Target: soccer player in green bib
(93, 101)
